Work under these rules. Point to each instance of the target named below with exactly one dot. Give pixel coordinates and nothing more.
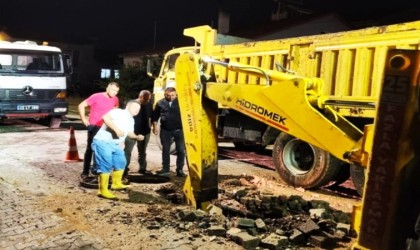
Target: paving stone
(214, 210)
(274, 241)
(252, 231)
(319, 204)
(316, 213)
(216, 231)
(297, 237)
(260, 224)
(26, 245)
(187, 215)
(248, 241)
(10, 248)
(246, 223)
(309, 227)
(344, 227)
(23, 227)
(21, 236)
(233, 232)
(322, 241)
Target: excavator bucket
(199, 126)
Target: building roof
(269, 28)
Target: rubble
(251, 218)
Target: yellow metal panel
(254, 61)
(362, 72)
(328, 71)
(243, 78)
(360, 56)
(344, 73)
(267, 62)
(378, 70)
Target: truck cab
(32, 82)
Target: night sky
(128, 25)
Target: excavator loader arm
(286, 102)
(289, 103)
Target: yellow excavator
(385, 151)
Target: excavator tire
(301, 164)
(357, 174)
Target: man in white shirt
(109, 156)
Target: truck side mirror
(68, 65)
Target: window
(5, 60)
(30, 62)
(110, 73)
(105, 73)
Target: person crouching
(109, 156)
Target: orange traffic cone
(72, 154)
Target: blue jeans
(166, 140)
(108, 156)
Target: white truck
(33, 82)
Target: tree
(133, 79)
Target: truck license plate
(27, 107)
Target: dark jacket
(170, 117)
(141, 120)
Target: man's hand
(81, 108)
(119, 132)
(85, 122)
(140, 137)
(155, 130)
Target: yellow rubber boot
(117, 180)
(103, 187)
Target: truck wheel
(343, 174)
(172, 151)
(55, 122)
(301, 164)
(357, 174)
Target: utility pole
(154, 34)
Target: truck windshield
(30, 62)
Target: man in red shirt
(99, 104)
